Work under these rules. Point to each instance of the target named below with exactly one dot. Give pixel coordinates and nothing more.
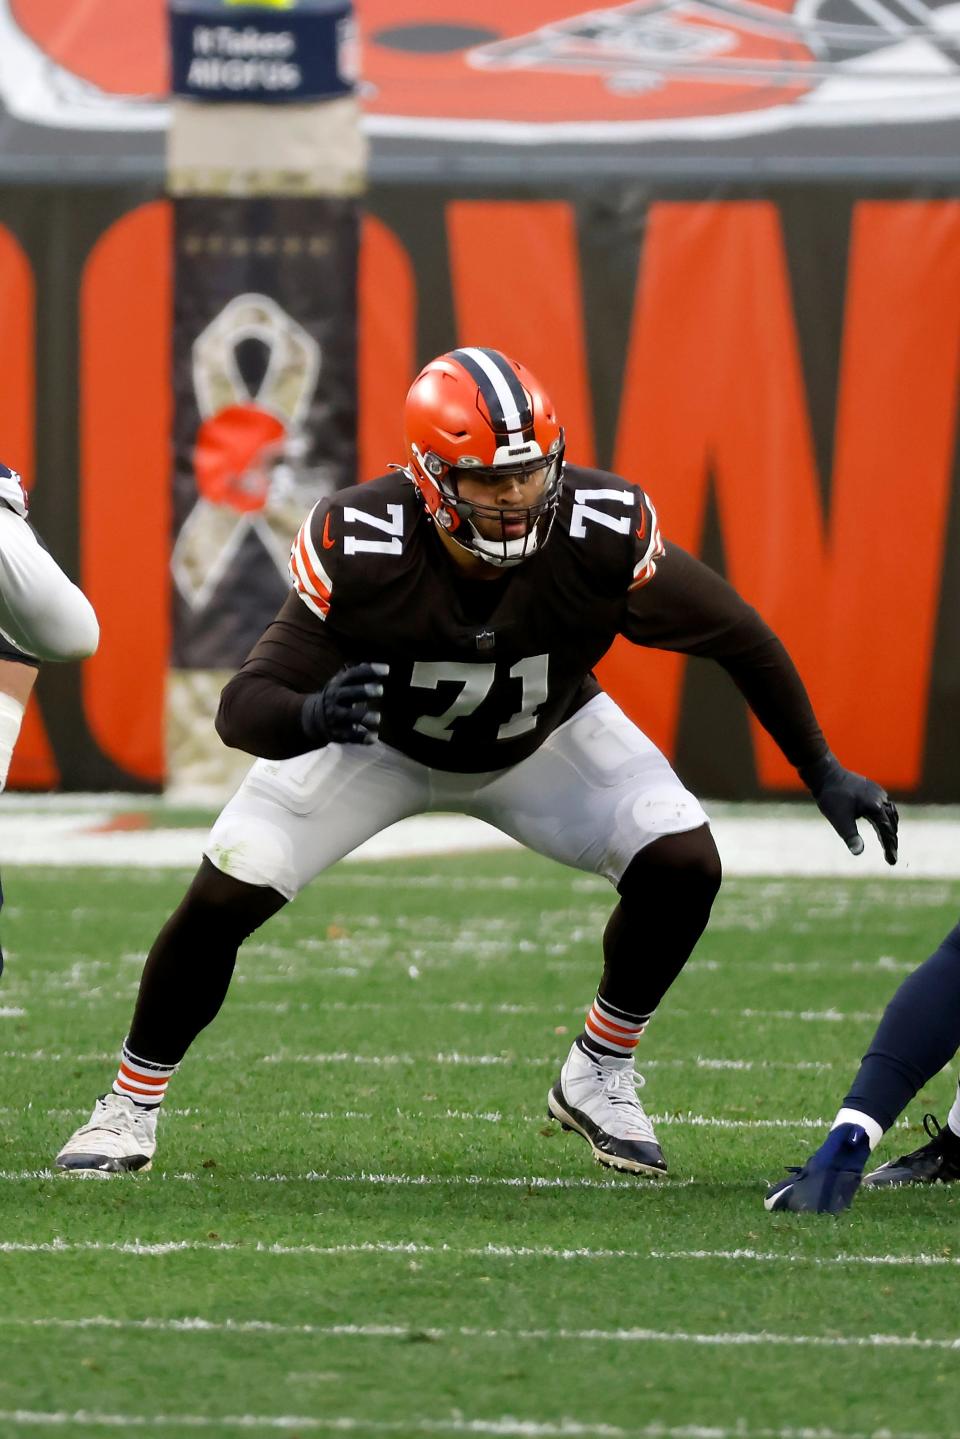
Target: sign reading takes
(261, 55)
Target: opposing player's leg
(601, 797)
(918, 1034)
(18, 675)
(288, 822)
(42, 615)
(184, 983)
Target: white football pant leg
(597, 791)
(41, 611)
(291, 819)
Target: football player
(918, 1034)
(43, 616)
(436, 653)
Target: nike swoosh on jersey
(328, 543)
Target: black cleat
(937, 1162)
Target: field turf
(360, 1221)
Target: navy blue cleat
(830, 1178)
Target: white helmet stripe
(504, 391)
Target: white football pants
(595, 792)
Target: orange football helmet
(475, 412)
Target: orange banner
(673, 345)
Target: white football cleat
(120, 1137)
(597, 1097)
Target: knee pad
(252, 852)
(667, 809)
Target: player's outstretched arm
(43, 612)
(689, 608)
(843, 797)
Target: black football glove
(347, 709)
(844, 797)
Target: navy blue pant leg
(918, 1034)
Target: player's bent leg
(666, 895)
(18, 676)
(665, 898)
(288, 821)
(184, 983)
(191, 963)
(601, 797)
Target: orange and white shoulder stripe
(309, 578)
(646, 567)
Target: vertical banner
(264, 385)
(265, 164)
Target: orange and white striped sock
(141, 1080)
(609, 1030)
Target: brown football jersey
(482, 671)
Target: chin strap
(502, 556)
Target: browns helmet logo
(535, 69)
(656, 68)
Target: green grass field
(360, 1222)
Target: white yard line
(45, 1055)
(476, 1181)
(493, 1116)
(506, 1428)
(461, 1006)
(920, 1261)
(448, 1057)
(761, 1338)
(778, 845)
(161, 1248)
(523, 1061)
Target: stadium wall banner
(778, 368)
(706, 88)
(264, 164)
